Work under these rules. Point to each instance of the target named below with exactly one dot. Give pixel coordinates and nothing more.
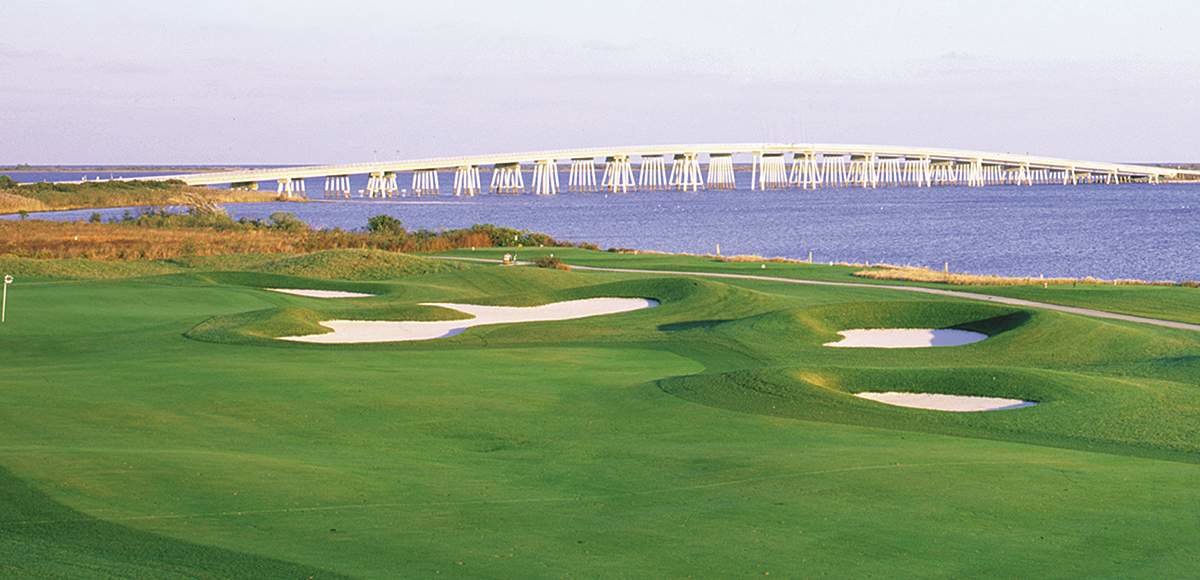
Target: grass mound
(1076, 410)
(356, 265)
(989, 320)
(81, 269)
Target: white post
(8, 279)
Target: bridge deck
(881, 152)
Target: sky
(302, 81)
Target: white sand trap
(954, 403)
(905, 338)
(321, 293)
(364, 331)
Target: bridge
(680, 167)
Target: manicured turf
(1165, 302)
(151, 427)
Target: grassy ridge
(578, 447)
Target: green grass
(1167, 302)
(151, 427)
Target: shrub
(551, 262)
(7, 182)
(287, 221)
(385, 224)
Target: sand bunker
(321, 293)
(954, 403)
(905, 338)
(364, 331)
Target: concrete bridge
(680, 167)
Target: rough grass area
(353, 265)
(356, 265)
(52, 196)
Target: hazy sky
(124, 81)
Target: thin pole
(4, 302)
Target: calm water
(1120, 231)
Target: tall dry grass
(916, 274)
(12, 203)
(128, 241)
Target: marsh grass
(13, 203)
(159, 236)
(917, 274)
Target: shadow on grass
(41, 538)
(997, 324)
(691, 325)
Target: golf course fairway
(153, 426)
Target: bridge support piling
(507, 178)
(583, 175)
(466, 181)
(382, 184)
(685, 172)
(618, 174)
(545, 177)
(924, 172)
(721, 175)
(652, 173)
(768, 171)
(425, 182)
(864, 170)
(805, 173)
(835, 170)
(337, 186)
(288, 187)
